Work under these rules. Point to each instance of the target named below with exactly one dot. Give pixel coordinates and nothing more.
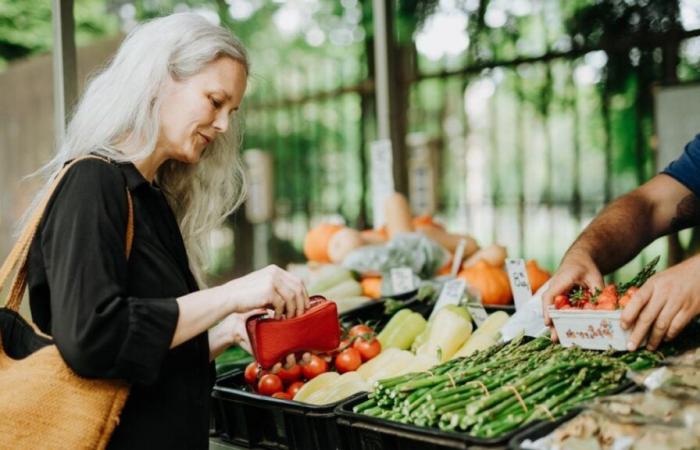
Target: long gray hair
(120, 110)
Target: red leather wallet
(317, 329)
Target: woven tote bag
(43, 403)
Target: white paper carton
(590, 329)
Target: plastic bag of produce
(412, 250)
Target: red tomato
(313, 366)
(290, 374)
(269, 384)
(359, 330)
(367, 349)
(560, 301)
(283, 395)
(294, 388)
(251, 373)
(348, 360)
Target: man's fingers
(662, 323)
(678, 324)
(643, 324)
(593, 280)
(634, 307)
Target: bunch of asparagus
(498, 390)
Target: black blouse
(113, 318)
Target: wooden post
(65, 84)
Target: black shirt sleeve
(99, 329)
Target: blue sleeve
(686, 169)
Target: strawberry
(608, 295)
(560, 301)
(625, 299)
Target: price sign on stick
(451, 294)
(457, 261)
(477, 312)
(519, 282)
(402, 280)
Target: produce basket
(255, 421)
(540, 430)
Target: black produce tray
(363, 432)
(250, 420)
(540, 430)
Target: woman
(163, 112)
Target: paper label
(402, 280)
(451, 294)
(457, 261)
(382, 174)
(477, 312)
(519, 282)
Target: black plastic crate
(540, 430)
(256, 421)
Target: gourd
(343, 242)
(491, 282)
(398, 215)
(494, 254)
(372, 287)
(316, 242)
(536, 275)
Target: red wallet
(317, 330)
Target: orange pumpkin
(374, 237)
(316, 242)
(537, 275)
(492, 282)
(371, 287)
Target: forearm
(617, 234)
(201, 310)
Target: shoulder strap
(17, 259)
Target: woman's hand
(575, 269)
(231, 331)
(270, 287)
(664, 305)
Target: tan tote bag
(43, 403)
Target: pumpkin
(494, 254)
(342, 243)
(374, 237)
(537, 275)
(492, 282)
(372, 287)
(425, 220)
(316, 242)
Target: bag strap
(17, 259)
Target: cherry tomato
(269, 384)
(251, 373)
(290, 374)
(294, 388)
(312, 366)
(560, 301)
(368, 349)
(283, 395)
(348, 360)
(359, 330)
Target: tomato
(368, 349)
(269, 384)
(566, 306)
(348, 360)
(283, 395)
(359, 330)
(294, 388)
(313, 366)
(560, 301)
(290, 374)
(251, 373)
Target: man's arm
(620, 231)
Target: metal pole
(381, 8)
(65, 84)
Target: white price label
(451, 294)
(477, 312)
(457, 261)
(402, 280)
(519, 282)
(382, 174)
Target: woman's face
(195, 110)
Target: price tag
(382, 174)
(519, 282)
(451, 294)
(477, 312)
(457, 261)
(402, 280)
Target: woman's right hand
(575, 269)
(270, 287)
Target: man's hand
(664, 305)
(577, 268)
